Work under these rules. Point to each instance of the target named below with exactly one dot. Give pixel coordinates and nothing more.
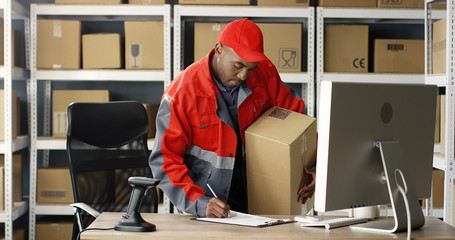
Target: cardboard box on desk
(88, 1)
(152, 110)
(284, 52)
(61, 99)
(346, 48)
(278, 145)
(54, 186)
(399, 56)
(15, 120)
(297, 3)
(439, 46)
(102, 51)
(50, 230)
(144, 43)
(17, 44)
(149, 2)
(348, 3)
(58, 44)
(214, 2)
(17, 179)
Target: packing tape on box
(57, 30)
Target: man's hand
(217, 209)
(306, 188)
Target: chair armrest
(86, 208)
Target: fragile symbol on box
(288, 57)
(60, 122)
(136, 56)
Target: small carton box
(152, 110)
(18, 234)
(285, 53)
(278, 145)
(407, 4)
(348, 3)
(14, 114)
(439, 46)
(149, 2)
(102, 51)
(296, 3)
(88, 2)
(438, 188)
(17, 46)
(58, 44)
(214, 2)
(61, 99)
(399, 56)
(346, 48)
(54, 186)
(51, 230)
(17, 179)
(144, 45)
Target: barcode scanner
(132, 221)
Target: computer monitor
(364, 128)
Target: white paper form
(243, 219)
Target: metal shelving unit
(89, 13)
(447, 80)
(363, 16)
(11, 10)
(306, 16)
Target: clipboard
(248, 220)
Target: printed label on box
(53, 194)
(60, 122)
(359, 63)
(392, 2)
(136, 56)
(280, 113)
(57, 29)
(288, 57)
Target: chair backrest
(107, 144)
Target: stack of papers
(243, 219)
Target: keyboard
(335, 222)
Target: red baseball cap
(245, 38)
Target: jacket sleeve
(167, 163)
(282, 95)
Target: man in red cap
(199, 144)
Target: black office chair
(107, 144)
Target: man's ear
(218, 48)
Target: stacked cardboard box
(439, 46)
(15, 115)
(214, 2)
(102, 50)
(406, 4)
(54, 186)
(148, 2)
(51, 230)
(17, 179)
(346, 48)
(88, 1)
(18, 234)
(297, 3)
(59, 44)
(278, 145)
(61, 99)
(284, 52)
(144, 45)
(348, 3)
(17, 44)
(399, 56)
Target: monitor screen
(352, 118)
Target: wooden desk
(178, 226)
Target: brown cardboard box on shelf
(439, 46)
(278, 145)
(50, 230)
(88, 1)
(348, 3)
(285, 53)
(14, 114)
(144, 43)
(406, 4)
(17, 179)
(102, 51)
(297, 3)
(438, 188)
(149, 2)
(214, 2)
(346, 48)
(17, 46)
(18, 234)
(437, 127)
(54, 186)
(399, 56)
(152, 110)
(61, 99)
(58, 44)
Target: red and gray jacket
(195, 141)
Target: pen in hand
(214, 194)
